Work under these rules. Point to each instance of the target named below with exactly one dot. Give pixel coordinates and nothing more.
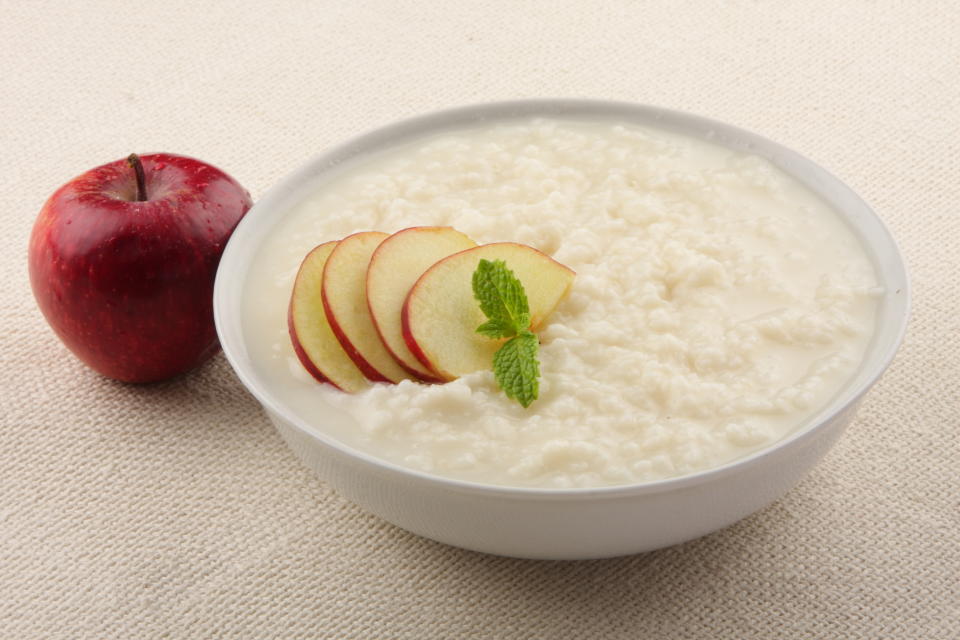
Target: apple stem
(134, 161)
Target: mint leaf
(502, 299)
(516, 368)
(496, 329)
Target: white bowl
(569, 523)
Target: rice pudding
(718, 304)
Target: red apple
(123, 259)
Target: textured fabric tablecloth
(176, 511)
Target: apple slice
(345, 301)
(394, 268)
(440, 315)
(313, 340)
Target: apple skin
(127, 285)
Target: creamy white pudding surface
(718, 304)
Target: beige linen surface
(175, 510)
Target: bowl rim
(284, 194)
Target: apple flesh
(345, 302)
(123, 270)
(394, 268)
(313, 340)
(440, 315)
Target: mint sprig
(504, 302)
